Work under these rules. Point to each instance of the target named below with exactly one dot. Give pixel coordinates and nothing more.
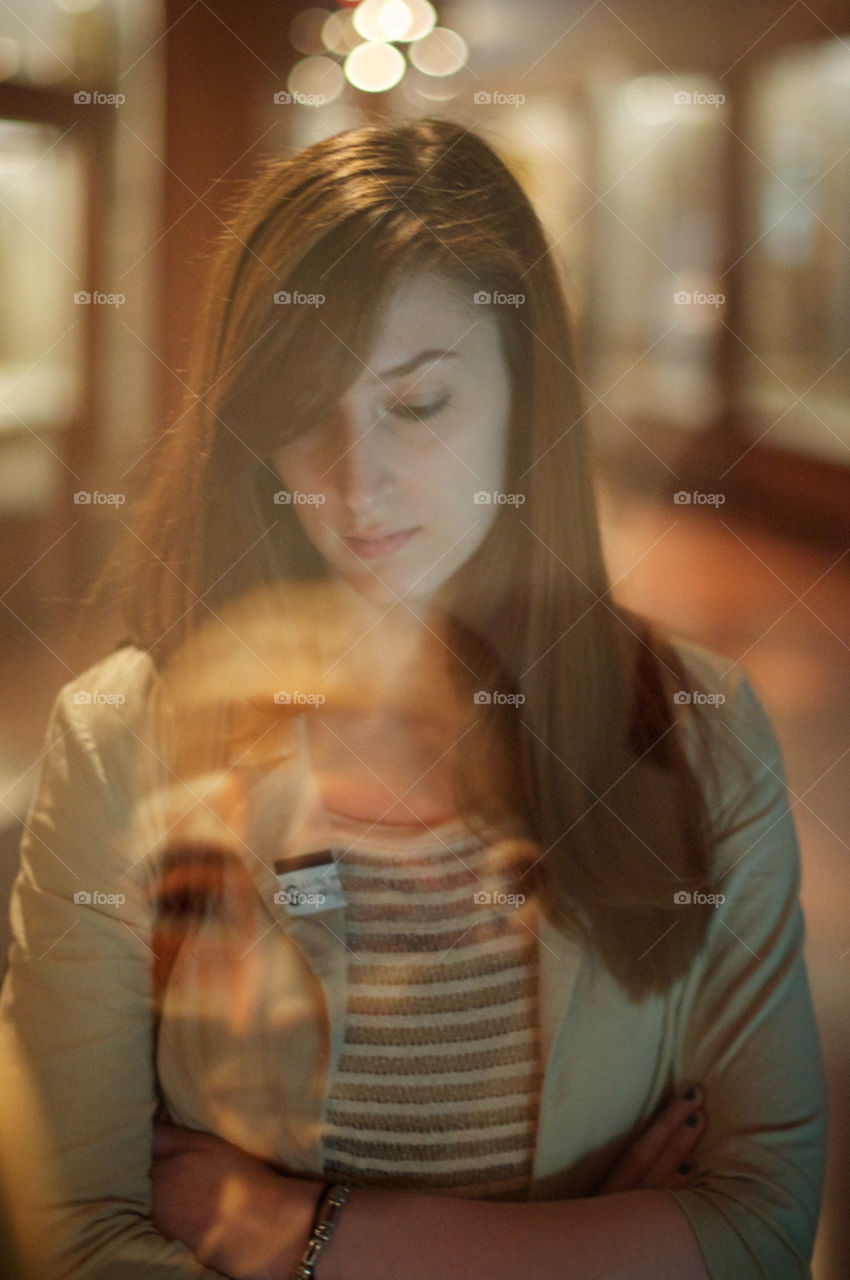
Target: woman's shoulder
(128, 671)
(711, 670)
(728, 734)
(114, 690)
(96, 740)
(719, 683)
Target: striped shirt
(438, 1084)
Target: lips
(375, 546)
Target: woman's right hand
(661, 1158)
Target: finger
(647, 1148)
(678, 1150)
(681, 1178)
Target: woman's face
(392, 474)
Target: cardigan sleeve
(747, 1031)
(76, 1008)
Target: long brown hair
(600, 770)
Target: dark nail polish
(692, 1120)
(690, 1095)
(684, 1168)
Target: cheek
(487, 461)
(296, 468)
(312, 519)
(302, 478)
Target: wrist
(330, 1206)
(285, 1215)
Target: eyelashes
(319, 432)
(420, 412)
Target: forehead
(432, 312)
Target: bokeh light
(423, 19)
(317, 79)
(419, 87)
(366, 36)
(441, 53)
(305, 30)
(374, 67)
(403, 20)
(339, 34)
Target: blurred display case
(42, 257)
(794, 363)
(656, 293)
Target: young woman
(458, 908)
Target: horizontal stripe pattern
(438, 1083)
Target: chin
(386, 592)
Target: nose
(362, 473)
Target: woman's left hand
(660, 1158)
(236, 1213)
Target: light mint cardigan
(77, 1004)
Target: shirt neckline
(450, 831)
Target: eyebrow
(409, 365)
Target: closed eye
(411, 412)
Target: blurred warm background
(692, 165)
